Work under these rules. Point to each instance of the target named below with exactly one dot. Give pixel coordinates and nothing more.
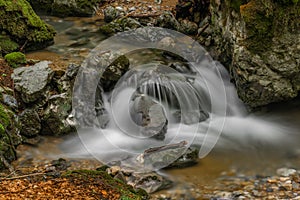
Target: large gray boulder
(258, 41)
(32, 82)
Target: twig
(23, 176)
(23, 46)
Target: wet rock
(120, 25)
(66, 82)
(150, 182)
(263, 66)
(10, 101)
(111, 13)
(189, 158)
(32, 82)
(30, 122)
(159, 157)
(193, 10)
(167, 20)
(188, 27)
(114, 72)
(101, 112)
(55, 116)
(150, 116)
(190, 117)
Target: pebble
(286, 172)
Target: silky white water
(228, 126)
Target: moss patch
(20, 22)
(7, 45)
(15, 59)
(266, 19)
(125, 191)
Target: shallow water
(240, 156)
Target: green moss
(7, 45)
(265, 19)
(4, 118)
(20, 21)
(15, 59)
(126, 191)
(2, 129)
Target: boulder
(150, 182)
(258, 40)
(32, 82)
(30, 123)
(65, 8)
(162, 156)
(150, 116)
(119, 25)
(167, 20)
(55, 116)
(114, 72)
(111, 13)
(20, 27)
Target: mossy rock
(7, 149)
(7, 45)
(266, 19)
(125, 191)
(22, 24)
(77, 8)
(15, 59)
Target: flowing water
(249, 143)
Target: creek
(250, 144)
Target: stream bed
(77, 36)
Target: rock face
(65, 8)
(259, 41)
(31, 82)
(21, 27)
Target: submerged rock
(32, 82)
(150, 116)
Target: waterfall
(200, 105)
